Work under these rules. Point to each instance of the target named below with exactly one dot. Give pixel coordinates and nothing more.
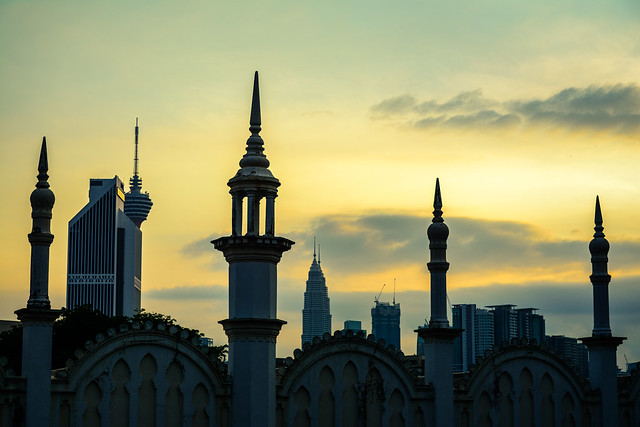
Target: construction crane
(377, 298)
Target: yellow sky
(364, 105)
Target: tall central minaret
(137, 204)
(253, 253)
(438, 336)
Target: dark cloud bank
(613, 108)
(353, 244)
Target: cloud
(612, 108)
(206, 292)
(363, 244)
(199, 247)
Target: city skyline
(524, 112)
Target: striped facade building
(105, 253)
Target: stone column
(38, 317)
(602, 346)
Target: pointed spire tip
(255, 119)
(598, 215)
(43, 162)
(437, 199)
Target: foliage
(75, 327)
(11, 348)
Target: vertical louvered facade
(105, 251)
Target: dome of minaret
(254, 165)
(599, 246)
(137, 204)
(42, 198)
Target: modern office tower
(385, 322)
(355, 326)
(483, 326)
(572, 350)
(530, 324)
(105, 246)
(464, 351)
(105, 251)
(316, 314)
(505, 323)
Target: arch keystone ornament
(253, 326)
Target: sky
(524, 110)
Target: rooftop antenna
(314, 247)
(394, 291)
(318, 253)
(135, 159)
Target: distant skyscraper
(355, 326)
(316, 314)
(385, 322)
(505, 323)
(530, 324)
(464, 346)
(572, 350)
(105, 247)
(483, 326)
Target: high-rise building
(530, 324)
(355, 326)
(104, 262)
(483, 326)
(505, 323)
(464, 346)
(316, 314)
(572, 350)
(385, 322)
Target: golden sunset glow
(525, 112)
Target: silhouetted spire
(255, 145)
(43, 166)
(438, 265)
(599, 246)
(255, 121)
(437, 203)
(42, 201)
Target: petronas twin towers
(316, 315)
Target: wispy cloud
(612, 108)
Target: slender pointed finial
(599, 246)
(43, 166)
(255, 120)
(437, 203)
(318, 253)
(314, 247)
(254, 156)
(598, 220)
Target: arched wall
(149, 375)
(523, 385)
(348, 379)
